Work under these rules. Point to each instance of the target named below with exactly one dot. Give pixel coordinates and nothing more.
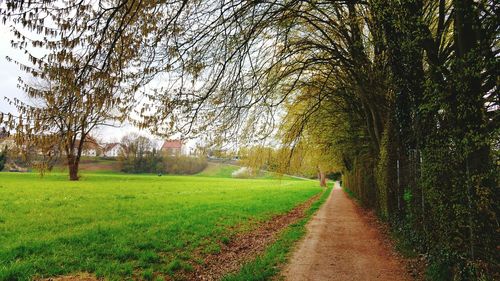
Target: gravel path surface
(342, 244)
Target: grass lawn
(129, 226)
(218, 170)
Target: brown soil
(344, 243)
(76, 277)
(245, 246)
(99, 167)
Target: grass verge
(269, 264)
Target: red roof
(88, 143)
(172, 144)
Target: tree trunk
(322, 179)
(468, 94)
(73, 169)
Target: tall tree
(61, 115)
(78, 71)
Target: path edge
(270, 264)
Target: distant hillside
(222, 170)
(93, 164)
(219, 170)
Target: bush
(183, 165)
(148, 163)
(152, 162)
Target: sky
(9, 73)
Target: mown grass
(218, 170)
(269, 264)
(128, 226)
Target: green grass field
(129, 226)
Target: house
(172, 147)
(112, 150)
(4, 133)
(90, 147)
(6, 140)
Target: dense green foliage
(432, 173)
(128, 226)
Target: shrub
(182, 165)
(152, 162)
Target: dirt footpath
(341, 244)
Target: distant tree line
(304, 161)
(139, 155)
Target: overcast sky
(9, 73)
